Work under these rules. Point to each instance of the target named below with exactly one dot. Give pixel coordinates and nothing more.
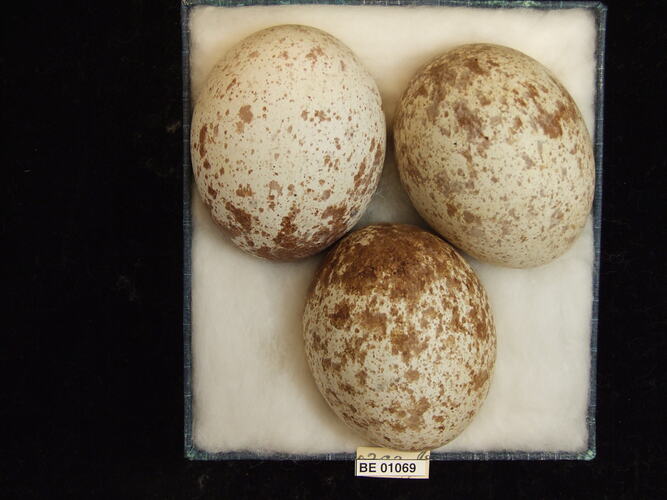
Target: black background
(92, 390)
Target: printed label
(385, 462)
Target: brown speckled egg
(288, 141)
(399, 337)
(495, 155)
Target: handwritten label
(385, 462)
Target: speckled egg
(399, 337)
(495, 155)
(288, 141)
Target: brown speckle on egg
(399, 337)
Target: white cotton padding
(252, 389)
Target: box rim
(190, 450)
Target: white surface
(252, 388)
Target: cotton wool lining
(252, 389)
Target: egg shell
(399, 337)
(288, 141)
(495, 155)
